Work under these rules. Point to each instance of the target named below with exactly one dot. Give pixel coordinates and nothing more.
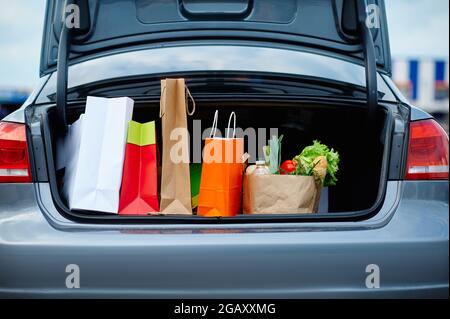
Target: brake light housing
(14, 157)
(428, 157)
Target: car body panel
(417, 113)
(410, 247)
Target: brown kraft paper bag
(280, 194)
(175, 178)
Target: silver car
(311, 71)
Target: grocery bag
(67, 155)
(139, 192)
(221, 179)
(93, 153)
(195, 174)
(175, 180)
(280, 194)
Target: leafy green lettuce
(310, 153)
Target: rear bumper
(407, 240)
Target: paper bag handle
(187, 102)
(232, 115)
(162, 110)
(214, 126)
(188, 95)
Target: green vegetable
(309, 154)
(272, 154)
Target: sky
(418, 28)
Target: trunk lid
(330, 27)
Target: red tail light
(14, 160)
(428, 152)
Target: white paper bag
(93, 155)
(68, 154)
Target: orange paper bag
(221, 179)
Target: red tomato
(288, 167)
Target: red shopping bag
(139, 192)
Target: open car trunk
(363, 150)
(360, 131)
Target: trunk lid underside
(330, 26)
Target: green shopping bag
(195, 171)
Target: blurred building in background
(425, 83)
(11, 99)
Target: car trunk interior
(359, 131)
(343, 127)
